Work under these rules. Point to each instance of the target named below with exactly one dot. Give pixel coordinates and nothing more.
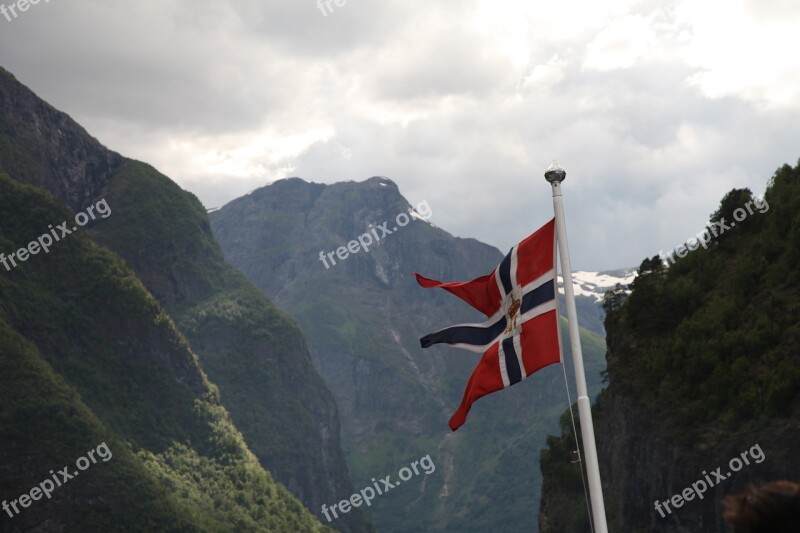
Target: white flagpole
(555, 175)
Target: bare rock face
(46, 148)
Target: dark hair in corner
(769, 508)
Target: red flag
(521, 333)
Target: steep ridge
(363, 317)
(88, 358)
(253, 352)
(41, 146)
(702, 366)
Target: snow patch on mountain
(595, 284)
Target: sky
(655, 109)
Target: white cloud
(546, 75)
(655, 108)
(620, 44)
(739, 54)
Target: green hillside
(88, 356)
(703, 363)
(251, 350)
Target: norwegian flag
(521, 333)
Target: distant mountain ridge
(363, 318)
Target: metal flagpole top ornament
(555, 173)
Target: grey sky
(656, 109)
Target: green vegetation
(714, 337)
(702, 360)
(563, 473)
(259, 361)
(88, 356)
(250, 349)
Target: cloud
(620, 44)
(656, 109)
(744, 49)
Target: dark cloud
(463, 104)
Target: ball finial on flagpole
(555, 173)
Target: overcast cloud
(656, 109)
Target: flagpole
(555, 175)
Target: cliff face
(253, 352)
(368, 304)
(643, 463)
(41, 146)
(702, 368)
(363, 316)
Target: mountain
(703, 376)
(89, 359)
(261, 381)
(363, 314)
(590, 289)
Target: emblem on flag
(520, 335)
